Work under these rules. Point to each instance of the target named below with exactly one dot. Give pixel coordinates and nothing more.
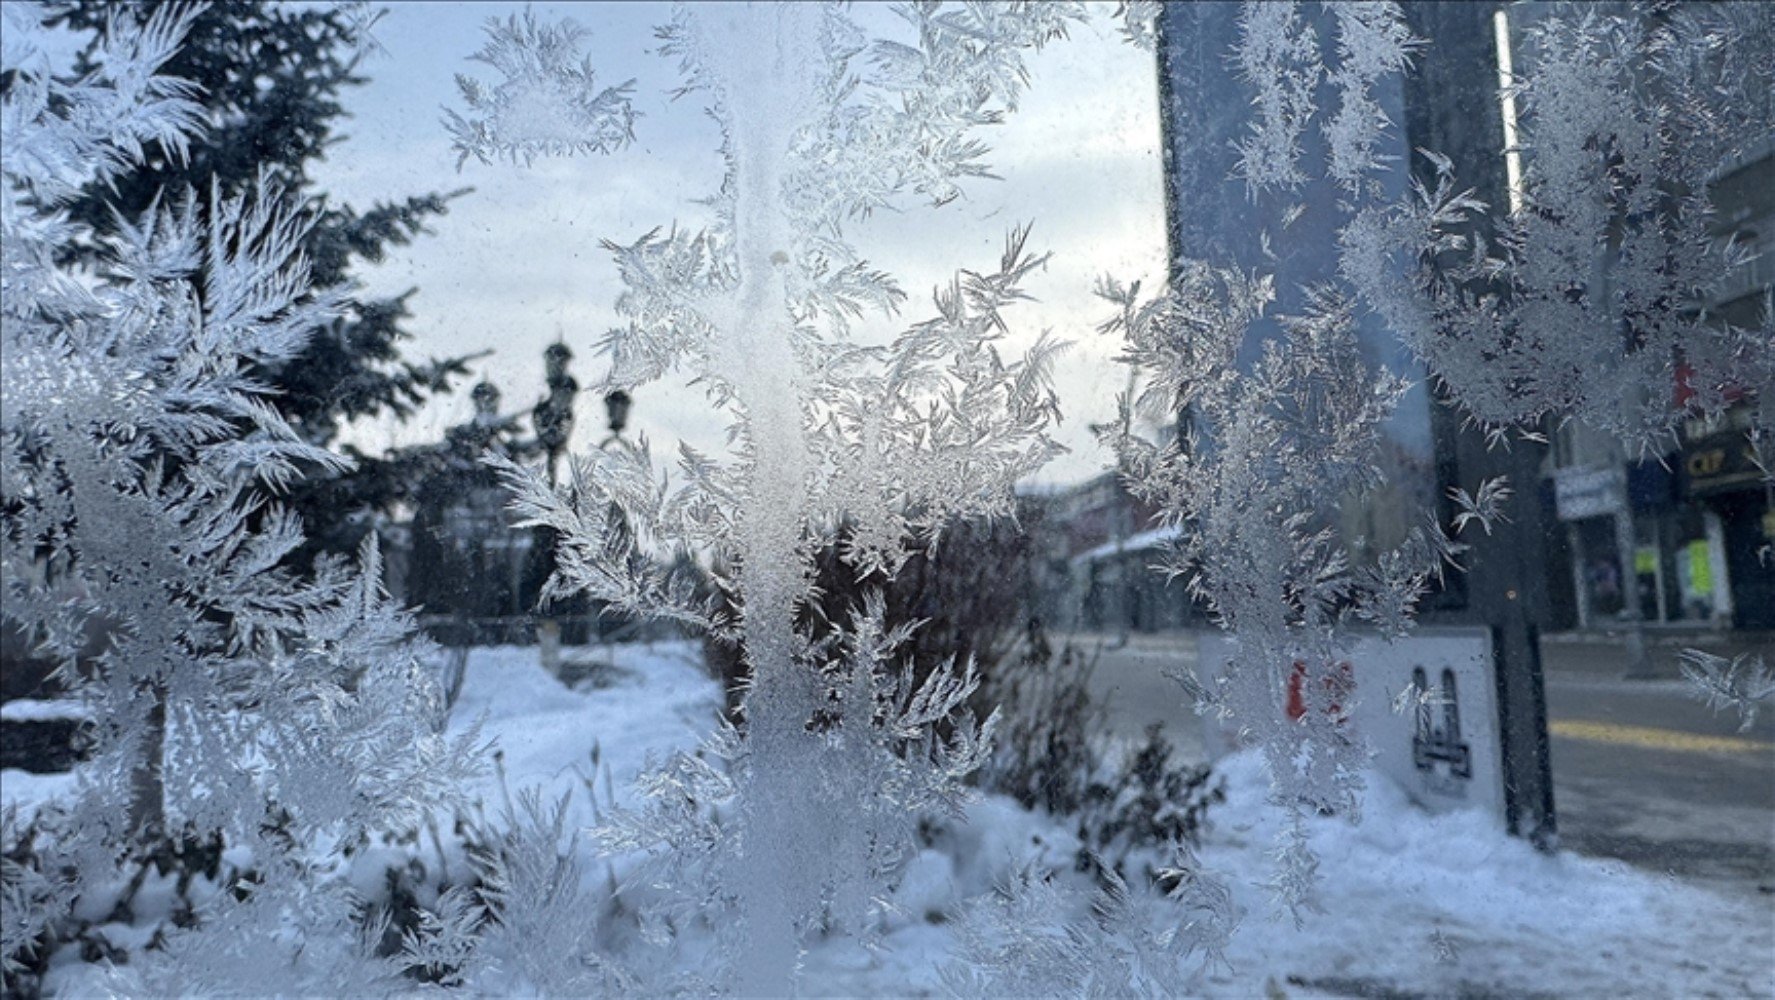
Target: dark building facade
(1449, 102)
(1677, 540)
(1674, 540)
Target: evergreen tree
(271, 78)
(241, 714)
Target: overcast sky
(517, 262)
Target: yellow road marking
(1650, 738)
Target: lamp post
(616, 407)
(553, 418)
(617, 403)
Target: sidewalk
(1604, 651)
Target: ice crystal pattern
(1271, 446)
(1588, 302)
(1031, 937)
(839, 748)
(1744, 683)
(1267, 446)
(548, 103)
(141, 461)
(1279, 55)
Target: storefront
(1592, 503)
(1684, 540)
(1682, 556)
(1724, 560)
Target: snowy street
(1642, 771)
(1645, 773)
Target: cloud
(518, 262)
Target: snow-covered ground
(1413, 904)
(27, 790)
(652, 698)
(1450, 906)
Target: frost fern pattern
(839, 748)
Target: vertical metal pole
(1575, 543)
(1453, 105)
(1626, 546)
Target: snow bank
(29, 791)
(1449, 905)
(658, 699)
(44, 710)
(1413, 903)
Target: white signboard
(1579, 493)
(1442, 744)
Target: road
(1642, 772)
